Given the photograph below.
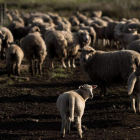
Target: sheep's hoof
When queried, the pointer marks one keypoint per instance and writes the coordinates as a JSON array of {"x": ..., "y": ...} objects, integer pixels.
[{"x": 62, "y": 135}]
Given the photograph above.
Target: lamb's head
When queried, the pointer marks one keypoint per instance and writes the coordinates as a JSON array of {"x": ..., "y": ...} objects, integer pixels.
[
  {"x": 84, "y": 37},
  {"x": 87, "y": 91},
  {"x": 86, "y": 52}
]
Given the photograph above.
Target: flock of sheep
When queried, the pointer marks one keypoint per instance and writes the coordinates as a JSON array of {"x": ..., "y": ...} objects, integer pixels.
[{"x": 36, "y": 35}]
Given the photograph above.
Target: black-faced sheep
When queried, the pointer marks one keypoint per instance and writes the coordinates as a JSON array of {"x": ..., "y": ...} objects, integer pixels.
[
  {"x": 14, "y": 55},
  {"x": 34, "y": 49},
  {"x": 62, "y": 44},
  {"x": 108, "y": 67},
  {"x": 6, "y": 37},
  {"x": 72, "y": 104}
]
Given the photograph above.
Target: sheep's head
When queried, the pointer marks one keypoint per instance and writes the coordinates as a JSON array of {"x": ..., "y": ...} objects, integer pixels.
[
  {"x": 133, "y": 31},
  {"x": 84, "y": 37},
  {"x": 88, "y": 90},
  {"x": 117, "y": 34},
  {"x": 86, "y": 52},
  {"x": 34, "y": 29}
]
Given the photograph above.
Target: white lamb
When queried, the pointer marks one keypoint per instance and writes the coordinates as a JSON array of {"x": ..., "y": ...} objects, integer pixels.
[{"x": 72, "y": 104}]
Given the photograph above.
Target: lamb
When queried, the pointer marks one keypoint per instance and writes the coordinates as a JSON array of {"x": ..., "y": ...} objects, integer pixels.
[
  {"x": 91, "y": 32},
  {"x": 135, "y": 45},
  {"x": 108, "y": 67},
  {"x": 127, "y": 38},
  {"x": 134, "y": 89},
  {"x": 6, "y": 37},
  {"x": 34, "y": 49},
  {"x": 72, "y": 104},
  {"x": 14, "y": 55},
  {"x": 62, "y": 44}
]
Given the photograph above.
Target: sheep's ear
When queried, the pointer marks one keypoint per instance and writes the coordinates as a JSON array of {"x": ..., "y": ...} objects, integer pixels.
[
  {"x": 80, "y": 87},
  {"x": 129, "y": 29},
  {"x": 91, "y": 51},
  {"x": 94, "y": 86},
  {"x": 80, "y": 50},
  {"x": 2, "y": 35}
]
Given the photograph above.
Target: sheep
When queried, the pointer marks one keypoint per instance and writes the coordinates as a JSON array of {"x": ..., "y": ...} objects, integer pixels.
[
  {"x": 6, "y": 37},
  {"x": 134, "y": 89},
  {"x": 100, "y": 32},
  {"x": 127, "y": 38},
  {"x": 105, "y": 18},
  {"x": 63, "y": 44},
  {"x": 108, "y": 67},
  {"x": 34, "y": 49},
  {"x": 72, "y": 104},
  {"x": 109, "y": 32},
  {"x": 91, "y": 31},
  {"x": 135, "y": 45},
  {"x": 63, "y": 27},
  {"x": 74, "y": 21},
  {"x": 14, "y": 55}
]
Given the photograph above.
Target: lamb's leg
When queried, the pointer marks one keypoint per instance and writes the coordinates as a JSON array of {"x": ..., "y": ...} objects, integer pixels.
[
  {"x": 63, "y": 63},
  {"x": 73, "y": 63},
  {"x": 138, "y": 103},
  {"x": 52, "y": 64},
  {"x": 133, "y": 103},
  {"x": 63, "y": 127},
  {"x": 32, "y": 67},
  {"x": 69, "y": 63},
  {"x": 68, "y": 125},
  {"x": 78, "y": 125},
  {"x": 16, "y": 70}
]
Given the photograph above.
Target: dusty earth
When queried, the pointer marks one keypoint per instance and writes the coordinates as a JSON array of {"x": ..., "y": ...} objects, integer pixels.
[{"x": 28, "y": 108}]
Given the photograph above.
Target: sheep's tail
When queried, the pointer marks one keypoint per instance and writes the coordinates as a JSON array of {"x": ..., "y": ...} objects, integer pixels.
[
  {"x": 71, "y": 109},
  {"x": 131, "y": 82}
]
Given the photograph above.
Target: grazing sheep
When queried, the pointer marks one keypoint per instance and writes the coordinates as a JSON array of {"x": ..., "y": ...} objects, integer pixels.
[
  {"x": 72, "y": 104},
  {"x": 62, "y": 44},
  {"x": 134, "y": 89},
  {"x": 91, "y": 32},
  {"x": 14, "y": 55},
  {"x": 6, "y": 37},
  {"x": 108, "y": 67},
  {"x": 135, "y": 45},
  {"x": 127, "y": 38},
  {"x": 34, "y": 49}
]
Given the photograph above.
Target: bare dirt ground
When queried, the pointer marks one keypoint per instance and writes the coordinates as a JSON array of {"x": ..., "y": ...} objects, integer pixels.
[{"x": 28, "y": 108}]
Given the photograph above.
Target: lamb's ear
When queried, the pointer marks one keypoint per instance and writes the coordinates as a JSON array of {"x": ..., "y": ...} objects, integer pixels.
[
  {"x": 94, "y": 86},
  {"x": 80, "y": 87},
  {"x": 80, "y": 50}
]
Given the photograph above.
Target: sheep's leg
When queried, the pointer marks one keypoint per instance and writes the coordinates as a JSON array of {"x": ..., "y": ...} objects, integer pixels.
[
  {"x": 63, "y": 127},
  {"x": 133, "y": 103},
  {"x": 138, "y": 103},
  {"x": 40, "y": 67},
  {"x": 52, "y": 64},
  {"x": 78, "y": 125},
  {"x": 103, "y": 42},
  {"x": 17, "y": 69},
  {"x": 2, "y": 53},
  {"x": 32, "y": 67},
  {"x": 69, "y": 63},
  {"x": 73, "y": 63},
  {"x": 12, "y": 68},
  {"x": 103, "y": 90},
  {"x": 9, "y": 69},
  {"x": 63, "y": 63}
]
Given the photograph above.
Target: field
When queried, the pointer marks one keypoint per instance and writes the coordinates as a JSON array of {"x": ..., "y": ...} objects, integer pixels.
[{"x": 28, "y": 107}]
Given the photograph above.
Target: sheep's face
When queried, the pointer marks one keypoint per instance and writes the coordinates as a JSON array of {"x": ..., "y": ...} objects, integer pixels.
[
  {"x": 84, "y": 36},
  {"x": 117, "y": 33},
  {"x": 89, "y": 90},
  {"x": 86, "y": 52}
]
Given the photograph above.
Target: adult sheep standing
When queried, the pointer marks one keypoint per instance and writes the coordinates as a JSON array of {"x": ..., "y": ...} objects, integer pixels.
[
  {"x": 72, "y": 104},
  {"x": 14, "y": 55},
  {"x": 34, "y": 49},
  {"x": 108, "y": 67},
  {"x": 63, "y": 44}
]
